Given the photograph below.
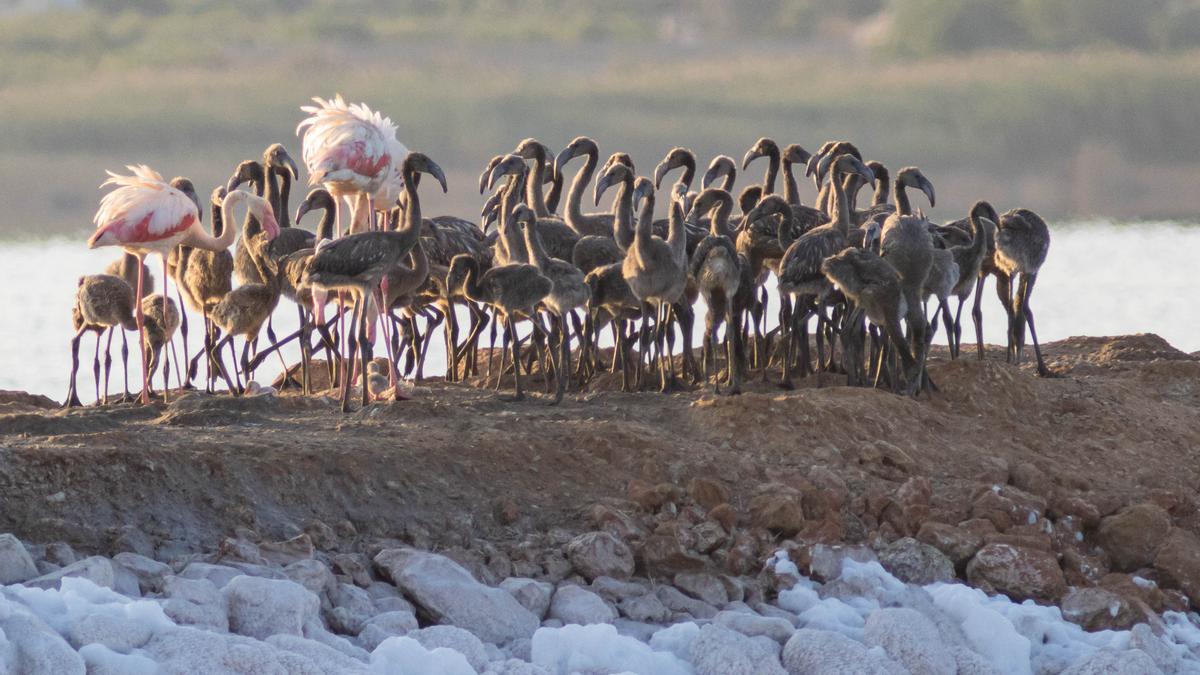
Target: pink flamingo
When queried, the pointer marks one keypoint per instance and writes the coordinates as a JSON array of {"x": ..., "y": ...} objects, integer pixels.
[
  {"x": 146, "y": 215},
  {"x": 353, "y": 152}
]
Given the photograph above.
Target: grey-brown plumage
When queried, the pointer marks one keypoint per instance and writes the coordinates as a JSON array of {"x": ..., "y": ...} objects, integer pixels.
[
  {"x": 765, "y": 147},
  {"x": 800, "y": 274},
  {"x": 559, "y": 238},
  {"x": 584, "y": 224},
  {"x": 103, "y": 302},
  {"x": 357, "y": 262},
  {"x": 126, "y": 268},
  {"x": 908, "y": 177},
  {"x": 716, "y": 268},
  {"x": 907, "y": 245},
  {"x": 568, "y": 291},
  {"x": 161, "y": 319},
  {"x": 724, "y": 168},
  {"x": 1022, "y": 242},
  {"x": 873, "y": 285},
  {"x": 535, "y": 179},
  {"x": 970, "y": 255},
  {"x": 512, "y": 290},
  {"x": 244, "y": 269}
]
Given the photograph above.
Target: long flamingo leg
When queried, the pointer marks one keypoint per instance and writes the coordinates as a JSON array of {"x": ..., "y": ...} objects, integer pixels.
[
  {"x": 141, "y": 324},
  {"x": 166, "y": 389}
]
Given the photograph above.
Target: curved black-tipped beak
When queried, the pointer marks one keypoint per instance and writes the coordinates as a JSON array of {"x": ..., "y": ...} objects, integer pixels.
[
  {"x": 751, "y": 155},
  {"x": 602, "y": 185},
  {"x": 560, "y": 160},
  {"x": 434, "y": 170},
  {"x": 305, "y": 207},
  {"x": 659, "y": 172},
  {"x": 291, "y": 165},
  {"x": 927, "y": 188}
]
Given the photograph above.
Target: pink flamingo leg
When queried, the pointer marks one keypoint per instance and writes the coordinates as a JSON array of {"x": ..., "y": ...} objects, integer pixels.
[
  {"x": 171, "y": 343},
  {"x": 141, "y": 324}
]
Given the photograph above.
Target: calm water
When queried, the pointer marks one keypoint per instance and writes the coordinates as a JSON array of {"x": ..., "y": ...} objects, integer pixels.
[{"x": 1100, "y": 279}]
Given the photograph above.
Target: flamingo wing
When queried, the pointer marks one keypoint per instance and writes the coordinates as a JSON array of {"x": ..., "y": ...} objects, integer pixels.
[
  {"x": 348, "y": 143},
  {"x": 144, "y": 209}
]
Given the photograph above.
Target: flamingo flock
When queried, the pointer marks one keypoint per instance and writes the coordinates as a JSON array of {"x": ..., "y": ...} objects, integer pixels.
[{"x": 859, "y": 279}]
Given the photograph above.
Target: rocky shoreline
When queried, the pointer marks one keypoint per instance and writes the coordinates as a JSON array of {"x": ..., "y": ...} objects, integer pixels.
[{"x": 1010, "y": 524}]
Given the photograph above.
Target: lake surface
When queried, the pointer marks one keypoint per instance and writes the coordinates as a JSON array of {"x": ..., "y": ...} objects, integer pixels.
[{"x": 1100, "y": 279}]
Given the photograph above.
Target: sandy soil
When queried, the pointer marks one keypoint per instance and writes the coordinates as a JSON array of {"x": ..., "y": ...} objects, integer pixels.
[{"x": 457, "y": 465}]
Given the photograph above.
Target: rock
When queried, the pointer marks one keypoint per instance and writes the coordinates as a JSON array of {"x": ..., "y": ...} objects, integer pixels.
[
  {"x": 825, "y": 562},
  {"x": 238, "y": 549},
  {"x": 701, "y": 586},
  {"x": 120, "y": 634},
  {"x": 724, "y": 515},
  {"x": 259, "y": 608},
  {"x": 532, "y": 594},
  {"x": 322, "y": 535},
  {"x": 822, "y": 652},
  {"x": 325, "y": 658},
  {"x": 1143, "y": 638},
  {"x": 779, "y": 509},
  {"x": 189, "y": 650},
  {"x": 352, "y": 565},
  {"x": 678, "y": 602},
  {"x": 1098, "y": 609},
  {"x": 195, "y": 602},
  {"x": 969, "y": 663},
  {"x": 36, "y": 649},
  {"x": 150, "y": 573},
  {"x": 1019, "y": 573},
  {"x": 450, "y": 595},
  {"x": 600, "y": 554},
  {"x": 709, "y": 536},
  {"x": 664, "y": 553},
  {"x": 956, "y": 543},
  {"x": 132, "y": 539},
  {"x": 645, "y": 608},
  {"x": 707, "y": 493},
  {"x": 61, "y": 554},
  {"x": 614, "y": 590},
  {"x": 911, "y": 639},
  {"x": 753, "y": 625},
  {"x": 1065, "y": 505},
  {"x": 1178, "y": 561},
  {"x": 287, "y": 552},
  {"x": 454, "y": 638},
  {"x": 1105, "y": 662},
  {"x": 311, "y": 574},
  {"x": 383, "y": 626},
  {"x": 1133, "y": 536},
  {"x": 219, "y": 575},
  {"x": 96, "y": 569},
  {"x": 720, "y": 651},
  {"x": 351, "y": 609},
  {"x": 913, "y": 562},
  {"x": 575, "y": 604},
  {"x": 125, "y": 582}
]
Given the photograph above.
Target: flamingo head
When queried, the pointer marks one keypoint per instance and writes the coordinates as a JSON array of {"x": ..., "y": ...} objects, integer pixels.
[
  {"x": 186, "y": 186},
  {"x": 912, "y": 177},
  {"x": 277, "y": 158},
  {"x": 763, "y": 147},
  {"x": 722, "y": 165}
]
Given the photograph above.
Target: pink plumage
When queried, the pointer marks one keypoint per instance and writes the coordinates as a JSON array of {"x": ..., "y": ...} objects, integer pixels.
[
  {"x": 350, "y": 148},
  {"x": 143, "y": 214}
]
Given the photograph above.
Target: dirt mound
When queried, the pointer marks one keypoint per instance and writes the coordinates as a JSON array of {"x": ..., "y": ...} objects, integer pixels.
[
  {"x": 458, "y": 465},
  {"x": 19, "y": 401}
]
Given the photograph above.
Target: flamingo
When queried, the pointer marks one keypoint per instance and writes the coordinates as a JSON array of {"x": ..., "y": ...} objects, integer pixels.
[
  {"x": 144, "y": 215},
  {"x": 353, "y": 152}
]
